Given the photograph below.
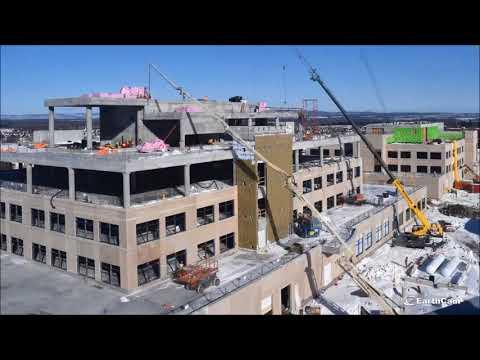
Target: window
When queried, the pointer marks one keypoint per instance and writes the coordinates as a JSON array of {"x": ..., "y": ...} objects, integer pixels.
[
  {"x": 110, "y": 274},
  {"x": 393, "y": 167},
  {"x": 407, "y": 215},
  {"x": 59, "y": 259},
  {"x": 377, "y": 168},
  {"x": 85, "y": 228},
  {"x": 330, "y": 202},
  {"x": 330, "y": 180},
  {"x": 307, "y": 211},
  {"x": 435, "y": 169},
  {"x": 349, "y": 174},
  {"x": 422, "y": 155},
  {"x": 378, "y": 232},
  {"x": 175, "y": 224},
  {"x": 358, "y": 190},
  {"x": 148, "y": 272},
  {"x": 422, "y": 169},
  {"x": 17, "y": 246},
  {"x": 227, "y": 242},
  {"x": 318, "y": 206},
  {"x": 147, "y": 231},
  {"x": 205, "y": 215},
  {"x": 435, "y": 155},
  {"x": 109, "y": 233},
  {"x": 357, "y": 171},
  {"x": 206, "y": 249},
  {"x": 358, "y": 246},
  {"x": 317, "y": 183},
  {"x": 225, "y": 209},
  {"x": 368, "y": 240},
  {"x": 16, "y": 213},
  {"x": 339, "y": 199},
  {"x": 176, "y": 260},
  {"x": 400, "y": 219},
  {"x": 86, "y": 267},
  {"x": 405, "y": 168},
  {"x": 38, "y": 218},
  {"x": 386, "y": 227},
  {"x": 57, "y": 222},
  {"x": 2, "y": 210},
  {"x": 339, "y": 177},
  {"x": 338, "y": 152},
  {"x": 393, "y": 154},
  {"x": 405, "y": 154},
  {"x": 39, "y": 253},
  {"x": 326, "y": 152},
  {"x": 424, "y": 203},
  {"x": 3, "y": 243},
  {"x": 307, "y": 186}
]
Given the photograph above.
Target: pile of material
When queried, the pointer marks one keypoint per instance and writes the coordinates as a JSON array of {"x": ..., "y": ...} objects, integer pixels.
[
  {"x": 155, "y": 145},
  {"x": 126, "y": 92}
]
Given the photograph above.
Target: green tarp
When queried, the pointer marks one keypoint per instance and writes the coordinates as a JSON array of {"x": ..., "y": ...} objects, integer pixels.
[{"x": 413, "y": 135}]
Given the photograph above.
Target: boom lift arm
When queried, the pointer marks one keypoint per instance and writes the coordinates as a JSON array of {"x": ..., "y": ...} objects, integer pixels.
[{"x": 426, "y": 227}]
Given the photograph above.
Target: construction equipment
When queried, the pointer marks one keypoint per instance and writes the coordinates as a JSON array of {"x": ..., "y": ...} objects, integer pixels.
[
  {"x": 476, "y": 177},
  {"x": 307, "y": 227},
  {"x": 356, "y": 199},
  {"x": 457, "y": 184},
  {"x": 426, "y": 228},
  {"x": 199, "y": 276},
  {"x": 292, "y": 186}
]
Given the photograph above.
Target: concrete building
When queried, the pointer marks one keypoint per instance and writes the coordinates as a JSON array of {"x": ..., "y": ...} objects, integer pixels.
[
  {"x": 130, "y": 219},
  {"x": 416, "y": 160}
]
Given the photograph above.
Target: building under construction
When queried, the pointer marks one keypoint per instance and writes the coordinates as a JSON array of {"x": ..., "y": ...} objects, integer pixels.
[{"x": 165, "y": 188}]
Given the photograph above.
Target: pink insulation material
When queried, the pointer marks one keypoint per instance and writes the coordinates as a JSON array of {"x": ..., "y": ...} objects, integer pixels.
[
  {"x": 262, "y": 106},
  {"x": 151, "y": 146},
  {"x": 126, "y": 92}
]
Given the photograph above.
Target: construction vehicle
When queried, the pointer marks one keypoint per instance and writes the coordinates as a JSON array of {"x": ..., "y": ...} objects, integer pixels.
[
  {"x": 356, "y": 199},
  {"x": 198, "y": 277},
  {"x": 307, "y": 227},
  {"x": 459, "y": 184},
  {"x": 476, "y": 177},
  {"x": 348, "y": 264},
  {"x": 426, "y": 228}
]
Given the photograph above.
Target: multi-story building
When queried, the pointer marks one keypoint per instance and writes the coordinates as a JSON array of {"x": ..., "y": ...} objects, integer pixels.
[{"x": 418, "y": 154}]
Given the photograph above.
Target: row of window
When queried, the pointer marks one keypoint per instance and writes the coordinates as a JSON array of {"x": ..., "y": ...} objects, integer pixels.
[
  {"x": 365, "y": 241},
  {"x": 420, "y": 155},
  {"x": 332, "y": 179},
  {"x": 150, "y": 271},
  {"x": 110, "y": 274},
  {"x": 174, "y": 224},
  {"x": 84, "y": 227}
]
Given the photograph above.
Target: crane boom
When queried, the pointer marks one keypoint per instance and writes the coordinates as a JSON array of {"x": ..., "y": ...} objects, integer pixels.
[{"x": 427, "y": 227}]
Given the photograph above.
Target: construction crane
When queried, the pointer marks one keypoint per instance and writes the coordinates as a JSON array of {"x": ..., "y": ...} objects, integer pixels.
[
  {"x": 346, "y": 262},
  {"x": 426, "y": 228},
  {"x": 457, "y": 180}
]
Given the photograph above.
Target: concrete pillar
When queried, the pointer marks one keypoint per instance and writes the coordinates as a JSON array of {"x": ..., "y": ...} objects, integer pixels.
[
  {"x": 297, "y": 160},
  {"x": 51, "y": 126},
  {"x": 320, "y": 151},
  {"x": 251, "y": 135},
  {"x": 29, "y": 178},
  {"x": 234, "y": 176},
  {"x": 126, "y": 189},
  {"x": 186, "y": 177},
  {"x": 88, "y": 119},
  {"x": 139, "y": 127},
  {"x": 182, "y": 132},
  {"x": 277, "y": 122},
  {"x": 71, "y": 184}
]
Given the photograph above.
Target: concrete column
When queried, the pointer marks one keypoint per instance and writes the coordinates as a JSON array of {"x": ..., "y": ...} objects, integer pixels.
[
  {"x": 71, "y": 184},
  {"x": 29, "y": 178},
  {"x": 251, "y": 135},
  {"x": 356, "y": 149},
  {"x": 297, "y": 160},
  {"x": 51, "y": 126},
  {"x": 139, "y": 127},
  {"x": 88, "y": 119},
  {"x": 126, "y": 189},
  {"x": 182, "y": 132},
  {"x": 186, "y": 177},
  {"x": 277, "y": 122},
  {"x": 234, "y": 176},
  {"x": 320, "y": 151}
]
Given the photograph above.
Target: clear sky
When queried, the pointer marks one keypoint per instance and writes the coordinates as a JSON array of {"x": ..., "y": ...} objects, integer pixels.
[{"x": 409, "y": 78}]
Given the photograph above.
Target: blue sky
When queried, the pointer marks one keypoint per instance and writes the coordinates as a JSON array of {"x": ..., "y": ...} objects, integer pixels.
[{"x": 410, "y": 78}]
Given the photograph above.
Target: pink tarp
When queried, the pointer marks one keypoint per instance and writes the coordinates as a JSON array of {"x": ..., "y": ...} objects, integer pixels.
[{"x": 155, "y": 145}]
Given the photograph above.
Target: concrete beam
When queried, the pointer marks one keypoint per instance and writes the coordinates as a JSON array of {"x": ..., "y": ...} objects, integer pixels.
[
  {"x": 29, "y": 178},
  {"x": 82, "y": 101},
  {"x": 186, "y": 179},
  {"x": 333, "y": 141},
  {"x": 71, "y": 184},
  {"x": 51, "y": 126},
  {"x": 88, "y": 120},
  {"x": 126, "y": 189}
]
